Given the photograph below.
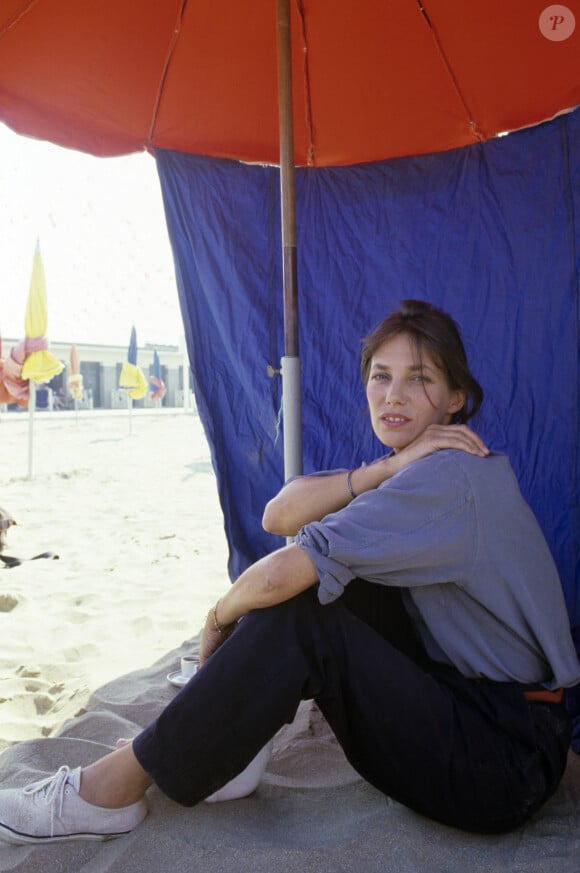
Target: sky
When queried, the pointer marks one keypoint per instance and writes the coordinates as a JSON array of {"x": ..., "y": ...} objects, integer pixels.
[{"x": 103, "y": 240}]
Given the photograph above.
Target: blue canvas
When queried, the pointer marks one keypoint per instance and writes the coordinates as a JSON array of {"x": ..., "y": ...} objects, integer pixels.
[{"x": 489, "y": 232}]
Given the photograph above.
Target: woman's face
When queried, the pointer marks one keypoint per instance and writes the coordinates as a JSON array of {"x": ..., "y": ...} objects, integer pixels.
[{"x": 406, "y": 395}]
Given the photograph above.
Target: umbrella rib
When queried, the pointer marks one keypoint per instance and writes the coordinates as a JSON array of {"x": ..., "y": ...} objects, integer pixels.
[
  {"x": 18, "y": 17},
  {"x": 165, "y": 70},
  {"x": 311, "y": 157},
  {"x": 472, "y": 123}
]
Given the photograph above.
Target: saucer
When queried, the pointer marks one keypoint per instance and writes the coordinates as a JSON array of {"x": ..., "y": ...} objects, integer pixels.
[{"x": 177, "y": 679}]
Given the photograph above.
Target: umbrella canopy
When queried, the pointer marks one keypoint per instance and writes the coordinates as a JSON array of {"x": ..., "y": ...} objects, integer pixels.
[
  {"x": 371, "y": 79},
  {"x": 132, "y": 378},
  {"x": 75, "y": 379},
  {"x": 5, "y": 395},
  {"x": 15, "y": 389},
  {"x": 40, "y": 365},
  {"x": 156, "y": 383}
]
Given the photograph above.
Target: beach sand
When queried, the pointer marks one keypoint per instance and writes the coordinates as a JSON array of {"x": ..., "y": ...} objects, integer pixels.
[{"x": 130, "y": 506}]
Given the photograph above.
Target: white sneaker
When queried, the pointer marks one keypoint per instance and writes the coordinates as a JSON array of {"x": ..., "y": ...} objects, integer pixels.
[{"x": 52, "y": 810}]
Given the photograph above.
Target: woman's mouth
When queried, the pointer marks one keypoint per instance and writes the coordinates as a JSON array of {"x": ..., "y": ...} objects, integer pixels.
[{"x": 393, "y": 420}]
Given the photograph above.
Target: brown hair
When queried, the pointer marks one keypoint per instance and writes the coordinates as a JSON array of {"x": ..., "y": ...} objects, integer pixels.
[{"x": 434, "y": 333}]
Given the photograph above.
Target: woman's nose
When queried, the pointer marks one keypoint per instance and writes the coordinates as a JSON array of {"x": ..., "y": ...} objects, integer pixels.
[{"x": 394, "y": 393}]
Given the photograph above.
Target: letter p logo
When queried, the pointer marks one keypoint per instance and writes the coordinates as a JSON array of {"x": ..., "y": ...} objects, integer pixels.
[{"x": 557, "y": 23}]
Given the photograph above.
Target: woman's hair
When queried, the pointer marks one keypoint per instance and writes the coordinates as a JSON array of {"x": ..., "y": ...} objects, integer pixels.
[{"x": 433, "y": 333}]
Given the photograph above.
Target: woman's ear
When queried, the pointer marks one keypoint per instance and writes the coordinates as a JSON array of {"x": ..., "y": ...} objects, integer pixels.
[{"x": 457, "y": 402}]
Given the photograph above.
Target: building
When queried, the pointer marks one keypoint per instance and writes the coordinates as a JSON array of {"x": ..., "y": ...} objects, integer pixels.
[{"x": 101, "y": 367}]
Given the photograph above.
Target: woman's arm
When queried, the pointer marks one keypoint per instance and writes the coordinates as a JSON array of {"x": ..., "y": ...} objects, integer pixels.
[
  {"x": 310, "y": 498},
  {"x": 271, "y": 580},
  {"x": 288, "y": 571}
]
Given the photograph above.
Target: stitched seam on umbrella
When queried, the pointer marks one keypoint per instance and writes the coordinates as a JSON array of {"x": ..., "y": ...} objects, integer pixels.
[
  {"x": 18, "y": 16},
  {"x": 472, "y": 123},
  {"x": 171, "y": 49},
  {"x": 311, "y": 157}
]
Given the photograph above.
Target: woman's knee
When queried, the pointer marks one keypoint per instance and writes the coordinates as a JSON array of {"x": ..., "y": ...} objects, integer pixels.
[{"x": 295, "y": 611}]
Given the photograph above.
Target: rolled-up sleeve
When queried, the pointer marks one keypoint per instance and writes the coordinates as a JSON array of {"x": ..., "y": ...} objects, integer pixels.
[{"x": 418, "y": 528}]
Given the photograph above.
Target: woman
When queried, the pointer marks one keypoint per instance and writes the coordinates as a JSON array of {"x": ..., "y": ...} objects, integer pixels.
[{"x": 419, "y": 606}]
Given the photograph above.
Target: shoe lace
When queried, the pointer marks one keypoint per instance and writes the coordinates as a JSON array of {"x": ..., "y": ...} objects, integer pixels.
[{"x": 52, "y": 788}]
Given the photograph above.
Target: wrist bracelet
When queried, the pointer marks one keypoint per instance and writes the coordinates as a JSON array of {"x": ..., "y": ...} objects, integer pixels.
[
  {"x": 216, "y": 624},
  {"x": 349, "y": 483}
]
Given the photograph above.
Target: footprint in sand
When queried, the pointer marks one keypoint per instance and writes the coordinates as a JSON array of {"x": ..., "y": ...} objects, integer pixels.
[
  {"x": 74, "y": 654},
  {"x": 43, "y": 703},
  {"x": 8, "y": 602},
  {"x": 28, "y": 672}
]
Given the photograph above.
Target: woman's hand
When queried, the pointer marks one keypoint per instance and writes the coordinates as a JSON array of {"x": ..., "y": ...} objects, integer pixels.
[
  {"x": 437, "y": 437},
  {"x": 211, "y": 637},
  {"x": 273, "y": 579}
]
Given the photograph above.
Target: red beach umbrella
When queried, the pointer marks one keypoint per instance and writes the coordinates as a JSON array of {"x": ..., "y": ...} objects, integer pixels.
[
  {"x": 358, "y": 82},
  {"x": 5, "y": 395},
  {"x": 157, "y": 388},
  {"x": 13, "y": 387},
  {"x": 371, "y": 80}
]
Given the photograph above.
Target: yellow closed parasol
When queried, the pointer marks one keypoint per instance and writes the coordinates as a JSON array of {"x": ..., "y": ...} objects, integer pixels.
[
  {"x": 132, "y": 377},
  {"x": 40, "y": 365}
]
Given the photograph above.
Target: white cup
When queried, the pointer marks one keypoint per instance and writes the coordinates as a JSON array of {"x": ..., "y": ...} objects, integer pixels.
[{"x": 189, "y": 665}]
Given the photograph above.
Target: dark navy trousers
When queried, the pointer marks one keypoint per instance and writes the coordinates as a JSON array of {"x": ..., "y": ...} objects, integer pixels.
[{"x": 473, "y": 754}]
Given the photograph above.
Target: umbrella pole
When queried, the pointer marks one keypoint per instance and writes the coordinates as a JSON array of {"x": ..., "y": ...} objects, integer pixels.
[
  {"x": 291, "y": 367},
  {"x": 185, "y": 369},
  {"x": 31, "y": 409}
]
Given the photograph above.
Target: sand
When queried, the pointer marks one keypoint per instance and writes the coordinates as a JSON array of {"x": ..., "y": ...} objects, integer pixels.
[
  {"x": 88, "y": 641},
  {"x": 130, "y": 506}
]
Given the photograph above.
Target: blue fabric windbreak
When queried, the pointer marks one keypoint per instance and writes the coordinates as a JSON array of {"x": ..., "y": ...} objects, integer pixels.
[{"x": 490, "y": 233}]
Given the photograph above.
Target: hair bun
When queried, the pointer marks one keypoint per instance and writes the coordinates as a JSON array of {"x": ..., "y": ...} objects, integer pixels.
[{"x": 410, "y": 308}]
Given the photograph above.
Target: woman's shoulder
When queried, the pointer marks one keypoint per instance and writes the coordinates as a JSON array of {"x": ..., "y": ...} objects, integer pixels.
[
  {"x": 494, "y": 464},
  {"x": 455, "y": 470},
  {"x": 485, "y": 478},
  {"x": 447, "y": 458}
]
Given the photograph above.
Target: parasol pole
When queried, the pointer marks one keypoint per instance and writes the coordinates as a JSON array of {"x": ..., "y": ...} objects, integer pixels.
[
  {"x": 291, "y": 366},
  {"x": 31, "y": 409}
]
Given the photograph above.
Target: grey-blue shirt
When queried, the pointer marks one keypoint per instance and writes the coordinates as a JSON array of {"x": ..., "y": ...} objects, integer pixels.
[{"x": 481, "y": 586}]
